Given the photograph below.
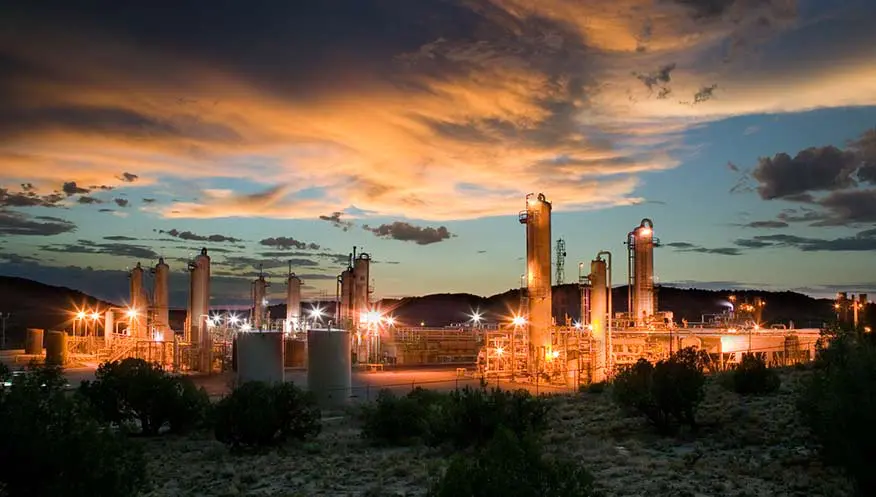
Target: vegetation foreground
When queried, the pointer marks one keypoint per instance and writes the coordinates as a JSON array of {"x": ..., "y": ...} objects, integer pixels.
[{"x": 745, "y": 446}]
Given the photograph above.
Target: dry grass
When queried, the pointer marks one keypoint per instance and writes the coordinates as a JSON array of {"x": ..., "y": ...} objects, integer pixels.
[{"x": 744, "y": 447}]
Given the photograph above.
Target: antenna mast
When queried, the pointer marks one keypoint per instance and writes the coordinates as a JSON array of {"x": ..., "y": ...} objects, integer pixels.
[{"x": 561, "y": 261}]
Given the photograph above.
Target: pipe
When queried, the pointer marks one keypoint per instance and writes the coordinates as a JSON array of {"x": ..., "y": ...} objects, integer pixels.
[{"x": 608, "y": 345}]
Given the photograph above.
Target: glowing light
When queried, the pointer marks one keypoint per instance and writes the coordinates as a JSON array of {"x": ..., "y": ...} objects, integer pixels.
[
  {"x": 422, "y": 323},
  {"x": 555, "y": 354},
  {"x": 95, "y": 315},
  {"x": 158, "y": 336},
  {"x": 500, "y": 351},
  {"x": 80, "y": 315},
  {"x": 476, "y": 317},
  {"x": 372, "y": 317},
  {"x": 245, "y": 327},
  {"x": 867, "y": 329},
  {"x": 518, "y": 321},
  {"x": 132, "y": 313},
  {"x": 390, "y": 321},
  {"x": 731, "y": 330},
  {"x": 233, "y": 319},
  {"x": 578, "y": 325},
  {"x": 316, "y": 313},
  {"x": 645, "y": 231}
]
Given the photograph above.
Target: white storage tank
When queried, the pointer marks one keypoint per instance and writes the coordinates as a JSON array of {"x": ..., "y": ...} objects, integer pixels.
[
  {"x": 260, "y": 357},
  {"x": 329, "y": 367}
]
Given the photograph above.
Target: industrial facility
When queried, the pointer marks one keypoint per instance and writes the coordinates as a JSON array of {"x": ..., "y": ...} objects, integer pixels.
[{"x": 568, "y": 334}]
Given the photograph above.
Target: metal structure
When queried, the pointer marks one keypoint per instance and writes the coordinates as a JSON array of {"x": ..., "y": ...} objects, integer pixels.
[
  {"x": 260, "y": 357},
  {"x": 599, "y": 318},
  {"x": 849, "y": 308},
  {"x": 139, "y": 303},
  {"x": 197, "y": 332},
  {"x": 293, "y": 302},
  {"x": 259, "y": 294},
  {"x": 642, "y": 301},
  {"x": 329, "y": 367},
  {"x": 561, "y": 262},
  {"x": 160, "y": 302},
  {"x": 537, "y": 218}
]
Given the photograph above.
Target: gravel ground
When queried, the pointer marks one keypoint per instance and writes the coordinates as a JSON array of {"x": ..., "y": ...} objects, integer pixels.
[{"x": 744, "y": 447}]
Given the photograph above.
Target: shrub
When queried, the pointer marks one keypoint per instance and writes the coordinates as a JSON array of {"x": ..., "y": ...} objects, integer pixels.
[
  {"x": 134, "y": 390},
  {"x": 52, "y": 446},
  {"x": 401, "y": 420},
  {"x": 753, "y": 377},
  {"x": 512, "y": 466},
  {"x": 597, "y": 387},
  {"x": 257, "y": 414},
  {"x": 666, "y": 393},
  {"x": 838, "y": 402},
  {"x": 471, "y": 416}
]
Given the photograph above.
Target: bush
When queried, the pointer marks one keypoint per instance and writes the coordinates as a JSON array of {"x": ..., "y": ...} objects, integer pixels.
[
  {"x": 838, "y": 402},
  {"x": 134, "y": 390},
  {"x": 667, "y": 393},
  {"x": 51, "y": 445},
  {"x": 597, "y": 387},
  {"x": 403, "y": 420},
  {"x": 512, "y": 466},
  {"x": 753, "y": 377},
  {"x": 257, "y": 414}
]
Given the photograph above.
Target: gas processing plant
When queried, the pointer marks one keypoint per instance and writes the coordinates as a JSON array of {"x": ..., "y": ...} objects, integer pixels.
[{"x": 536, "y": 343}]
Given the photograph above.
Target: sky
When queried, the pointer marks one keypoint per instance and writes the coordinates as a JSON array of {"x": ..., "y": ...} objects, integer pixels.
[{"x": 271, "y": 132}]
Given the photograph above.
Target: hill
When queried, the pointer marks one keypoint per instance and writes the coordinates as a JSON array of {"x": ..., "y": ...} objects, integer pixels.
[{"x": 31, "y": 304}]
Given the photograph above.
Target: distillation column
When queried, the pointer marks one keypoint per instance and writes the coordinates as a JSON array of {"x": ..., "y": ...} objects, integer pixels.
[
  {"x": 537, "y": 219},
  {"x": 199, "y": 307},
  {"x": 598, "y": 315},
  {"x": 293, "y": 302},
  {"x": 139, "y": 303},
  {"x": 160, "y": 301},
  {"x": 369, "y": 332},
  {"x": 259, "y": 302},
  {"x": 640, "y": 244}
]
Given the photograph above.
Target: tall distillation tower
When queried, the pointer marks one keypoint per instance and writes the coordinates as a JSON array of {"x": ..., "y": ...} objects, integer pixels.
[
  {"x": 537, "y": 218},
  {"x": 260, "y": 302},
  {"x": 199, "y": 306},
  {"x": 598, "y": 317},
  {"x": 293, "y": 302},
  {"x": 139, "y": 303},
  {"x": 640, "y": 246},
  {"x": 160, "y": 300}
]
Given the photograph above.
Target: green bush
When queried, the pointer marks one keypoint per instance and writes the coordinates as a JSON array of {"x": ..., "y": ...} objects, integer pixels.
[
  {"x": 667, "y": 393},
  {"x": 597, "y": 387},
  {"x": 512, "y": 466},
  {"x": 471, "y": 416},
  {"x": 753, "y": 377},
  {"x": 402, "y": 420},
  {"x": 134, "y": 391},
  {"x": 838, "y": 402},
  {"x": 257, "y": 414},
  {"x": 51, "y": 444}
]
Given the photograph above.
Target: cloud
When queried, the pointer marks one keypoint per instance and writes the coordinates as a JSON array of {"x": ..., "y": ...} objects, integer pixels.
[
  {"x": 114, "y": 249},
  {"x": 241, "y": 263},
  {"x": 70, "y": 188},
  {"x": 85, "y": 199},
  {"x": 333, "y": 258},
  {"x": 121, "y": 202},
  {"x": 861, "y": 242},
  {"x": 811, "y": 170},
  {"x": 407, "y": 232},
  {"x": 119, "y": 238},
  {"x": 767, "y": 224},
  {"x": 128, "y": 177},
  {"x": 188, "y": 235},
  {"x": 16, "y": 223},
  {"x": 690, "y": 247},
  {"x": 283, "y": 242},
  {"x": 336, "y": 221},
  {"x": 148, "y": 200},
  {"x": 28, "y": 198}
]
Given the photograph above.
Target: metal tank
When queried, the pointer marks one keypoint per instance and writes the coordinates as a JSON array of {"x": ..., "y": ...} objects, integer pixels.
[
  {"x": 329, "y": 366},
  {"x": 537, "y": 218},
  {"x": 109, "y": 322},
  {"x": 56, "y": 348},
  {"x": 140, "y": 304},
  {"x": 293, "y": 302},
  {"x": 260, "y": 357},
  {"x": 259, "y": 302},
  {"x": 33, "y": 341},
  {"x": 199, "y": 306},
  {"x": 598, "y": 316},
  {"x": 160, "y": 301},
  {"x": 640, "y": 246},
  {"x": 345, "y": 315}
]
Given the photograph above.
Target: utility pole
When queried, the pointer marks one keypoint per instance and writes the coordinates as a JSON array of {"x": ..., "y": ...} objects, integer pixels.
[{"x": 3, "y": 318}]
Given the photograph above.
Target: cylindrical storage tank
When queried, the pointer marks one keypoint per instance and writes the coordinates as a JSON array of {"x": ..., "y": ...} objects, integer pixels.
[
  {"x": 109, "y": 320},
  {"x": 538, "y": 277},
  {"x": 329, "y": 368},
  {"x": 792, "y": 348},
  {"x": 160, "y": 300},
  {"x": 293, "y": 303},
  {"x": 139, "y": 304},
  {"x": 361, "y": 284},
  {"x": 199, "y": 306},
  {"x": 296, "y": 353},
  {"x": 260, "y": 357},
  {"x": 598, "y": 316},
  {"x": 56, "y": 348},
  {"x": 33, "y": 341},
  {"x": 347, "y": 286}
]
